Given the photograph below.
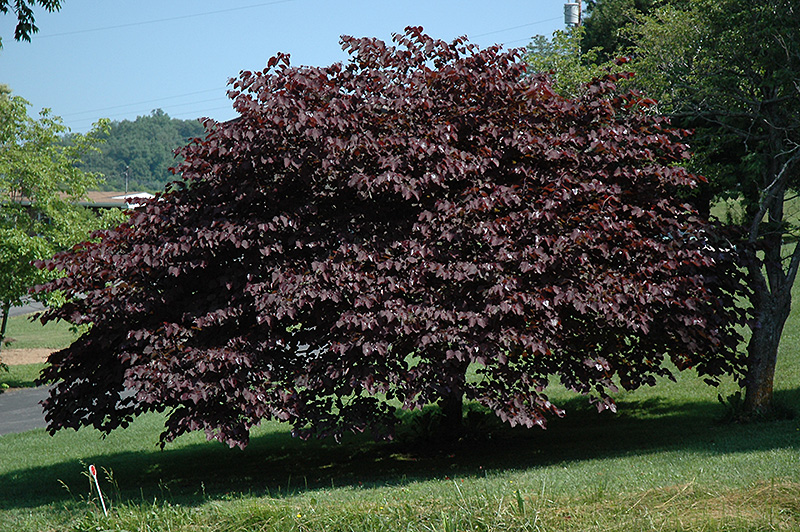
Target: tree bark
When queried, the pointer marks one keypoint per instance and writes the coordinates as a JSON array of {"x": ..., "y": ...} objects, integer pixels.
[
  {"x": 452, "y": 407},
  {"x": 3, "y": 326},
  {"x": 771, "y": 283},
  {"x": 763, "y": 354}
]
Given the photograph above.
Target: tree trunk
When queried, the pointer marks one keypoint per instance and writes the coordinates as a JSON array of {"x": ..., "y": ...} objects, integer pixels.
[
  {"x": 452, "y": 407},
  {"x": 763, "y": 353},
  {"x": 3, "y": 325},
  {"x": 771, "y": 282}
]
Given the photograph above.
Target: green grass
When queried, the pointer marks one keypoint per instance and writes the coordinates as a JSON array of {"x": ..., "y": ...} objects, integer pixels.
[
  {"x": 23, "y": 333},
  {"x": 20, "y": 376},
  {"x": 664, "y": 462}
]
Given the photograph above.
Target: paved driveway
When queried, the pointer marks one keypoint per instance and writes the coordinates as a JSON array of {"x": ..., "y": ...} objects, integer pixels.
[
  {"x": 27, "y": 308},
  {"x": 20, "y": 410}
]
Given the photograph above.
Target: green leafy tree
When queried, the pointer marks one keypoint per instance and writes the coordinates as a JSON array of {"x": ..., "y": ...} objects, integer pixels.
[
  {"x": 606, "y": 19},
  {"x": 138, "y": 154},
  {"x": 569, "y": 67},
  {"x": 23, "y": 10},
  {"x": 731, "y": 70},
  {"x": 39, "y": 185}
]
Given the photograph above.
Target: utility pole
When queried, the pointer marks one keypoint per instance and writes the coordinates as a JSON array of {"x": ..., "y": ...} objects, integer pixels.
[{"x": 573, "y": 13}]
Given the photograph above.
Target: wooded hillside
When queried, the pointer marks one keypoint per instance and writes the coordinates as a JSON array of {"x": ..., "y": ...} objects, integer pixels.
[{"x": 145, "y": 148}]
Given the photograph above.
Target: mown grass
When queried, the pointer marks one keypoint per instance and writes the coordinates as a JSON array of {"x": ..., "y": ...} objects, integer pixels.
[
  {"x": 20, "y": 376},
  {"x": 665, "y": 462},
  {"x": 662, "y": 463},
  {"x": 23, "y": 332}
]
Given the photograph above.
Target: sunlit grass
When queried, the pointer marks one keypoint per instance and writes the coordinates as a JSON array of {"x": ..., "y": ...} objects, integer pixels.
[
  {"x": 25, "y": 333},
  {"x": 664, "y": 462},
  {"x": 21, "y": 376}
]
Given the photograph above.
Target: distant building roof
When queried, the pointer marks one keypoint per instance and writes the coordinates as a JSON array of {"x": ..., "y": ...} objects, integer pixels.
[
  {"x": 120, "y": 200},
  {"x": 96, "y": 199}
]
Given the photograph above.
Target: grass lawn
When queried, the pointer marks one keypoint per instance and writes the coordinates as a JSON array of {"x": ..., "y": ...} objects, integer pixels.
[
  {"x": 24, "y": 333},
  {"x": 22, "y": 376},
  {"x": 663, "y": 463}
]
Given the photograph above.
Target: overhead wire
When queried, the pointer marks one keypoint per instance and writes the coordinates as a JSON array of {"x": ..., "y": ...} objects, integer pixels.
[
  {"x": 195, "y": 15},
  {"x": 156, "y": 21}
]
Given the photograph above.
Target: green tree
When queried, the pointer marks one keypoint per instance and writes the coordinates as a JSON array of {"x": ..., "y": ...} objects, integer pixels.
[
  {"x": 139, "y": 153},
  {"x": 731, "y": 70},
  {"x": 39, "y": 183},
  {"x": 23, "y": 10},
  {"x": 570, "y": 68},
  {"x": 606, "y": 19}
]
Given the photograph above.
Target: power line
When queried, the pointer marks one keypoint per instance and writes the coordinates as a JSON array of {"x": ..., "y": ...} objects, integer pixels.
[
  {"x": 123, "y": 115},
  {"x": 514, "y": 27},
  {"x": 170, "y": 19},
  {"x": 221, "y": 90},
  {"x": 88, "y": 111}
]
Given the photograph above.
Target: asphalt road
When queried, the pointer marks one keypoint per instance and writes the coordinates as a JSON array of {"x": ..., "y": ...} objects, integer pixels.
[
  {"x": 27, "y": 308},
  {"x": 20, "y": 410}
]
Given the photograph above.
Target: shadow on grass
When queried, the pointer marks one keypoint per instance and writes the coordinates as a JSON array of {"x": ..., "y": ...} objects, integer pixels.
[{"x": 275, "y": 464}]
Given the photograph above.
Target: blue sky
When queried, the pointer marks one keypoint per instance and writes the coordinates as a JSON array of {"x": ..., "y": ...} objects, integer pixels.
[{"x": 123, "y": 58}]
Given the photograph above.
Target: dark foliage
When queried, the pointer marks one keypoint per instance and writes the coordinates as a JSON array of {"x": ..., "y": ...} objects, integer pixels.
[
  {"x": 605, "y": 19},
  {"x": 23, "y": 11},
  {"x": 366, "y": 233}
]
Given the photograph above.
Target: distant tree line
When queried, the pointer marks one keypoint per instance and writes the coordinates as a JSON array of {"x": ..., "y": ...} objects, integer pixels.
[{"x": 143, "y": 149}]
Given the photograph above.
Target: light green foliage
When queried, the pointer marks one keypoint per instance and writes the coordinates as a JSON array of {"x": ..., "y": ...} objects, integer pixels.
[
  {"x": 730, "y": 70},
  {"x": 39, "y": 185},
  {"x": 605, "y": 19},
  {"x": 670, "y": 57},
  {"x": 561, "y": 56},
  {"x": 143, "y": 149}
]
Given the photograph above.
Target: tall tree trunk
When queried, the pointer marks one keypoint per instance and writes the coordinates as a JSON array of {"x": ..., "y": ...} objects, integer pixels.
[
  {"x": 771, "y": 282},
  {"x": 452, "y": 407},
  {"x": 763, "y": 352},
  {"x": 3, "y": 325}
]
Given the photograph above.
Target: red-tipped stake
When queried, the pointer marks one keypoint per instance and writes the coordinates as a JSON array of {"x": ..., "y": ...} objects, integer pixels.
[{"x": 93, "y": 472}]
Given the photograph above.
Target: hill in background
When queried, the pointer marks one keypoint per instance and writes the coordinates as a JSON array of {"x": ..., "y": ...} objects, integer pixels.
[{"x": 144, "y": 148}]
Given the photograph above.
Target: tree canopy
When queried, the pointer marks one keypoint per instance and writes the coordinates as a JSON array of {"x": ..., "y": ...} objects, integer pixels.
[
  {"x": 606, "y": 19},
  {"x": 39, "y": 185},
  {"x": 370, "y": 235},
  {"x": 730, "y": 69},
  {"x": 562, "y": 58},
  {"x": 138, "y": 154}
]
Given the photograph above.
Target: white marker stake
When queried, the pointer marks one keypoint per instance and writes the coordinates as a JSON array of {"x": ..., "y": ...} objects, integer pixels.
[{"x": 93, "y": 472}]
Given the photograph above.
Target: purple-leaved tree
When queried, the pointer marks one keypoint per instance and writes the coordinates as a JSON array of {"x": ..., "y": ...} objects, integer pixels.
[{"x": 421, "y": 224}]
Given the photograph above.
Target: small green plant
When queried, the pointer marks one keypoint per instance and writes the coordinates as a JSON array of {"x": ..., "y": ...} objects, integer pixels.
[
  {"x": 735, "y": 411},
  {"x": 520, "y": 503},
  {"x": 448, "y": 522},
  {"x": 734, "y": 404}
]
